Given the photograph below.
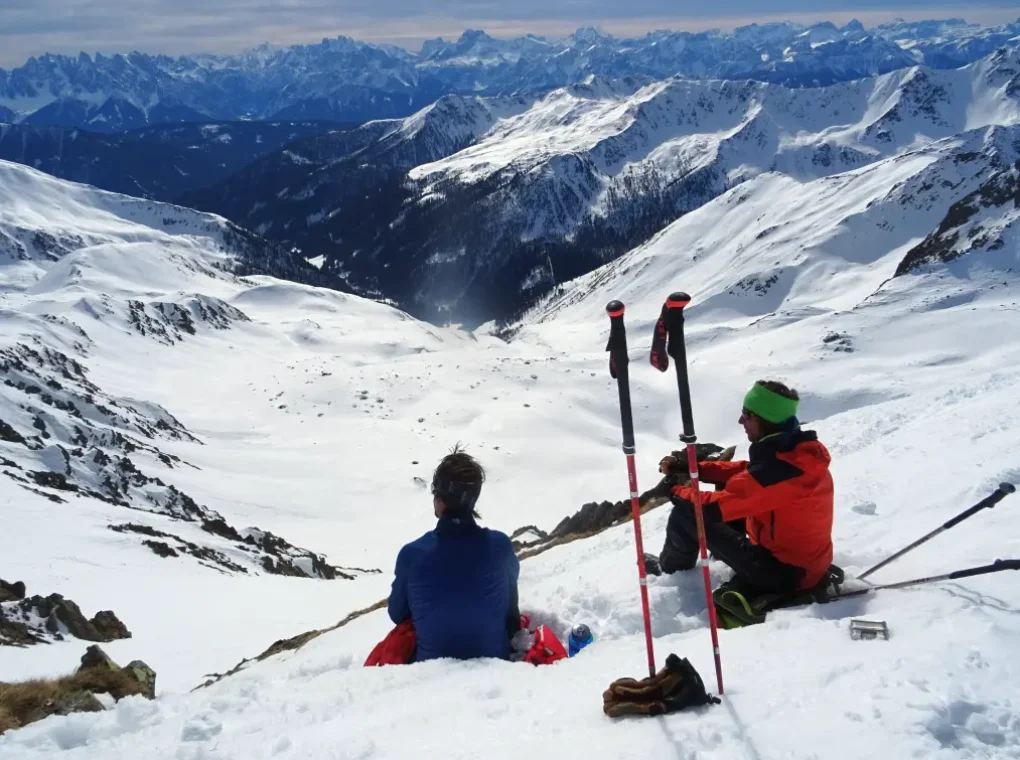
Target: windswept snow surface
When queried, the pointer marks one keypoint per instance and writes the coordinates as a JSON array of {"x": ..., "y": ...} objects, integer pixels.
[{"x": 314, "y": 417}]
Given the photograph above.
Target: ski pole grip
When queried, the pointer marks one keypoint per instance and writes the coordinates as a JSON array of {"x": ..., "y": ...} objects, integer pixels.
[
  {"x": 988, "y": 502},
  {"x": 995, "y": 567},
  {"x": 618, "y": 367},
  {"x": 675, "y": 304},
  {"x": 677, "y": 300}
]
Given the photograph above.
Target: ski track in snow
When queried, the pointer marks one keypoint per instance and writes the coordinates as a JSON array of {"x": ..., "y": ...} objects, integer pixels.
[{"x": 310, "y": 418}]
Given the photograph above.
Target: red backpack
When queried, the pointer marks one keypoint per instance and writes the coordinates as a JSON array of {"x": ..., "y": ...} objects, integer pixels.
[
  {"x": 547, "y": 649},
  {"x": 399, "y": 645},
  {"x": 397, "y": 648}
]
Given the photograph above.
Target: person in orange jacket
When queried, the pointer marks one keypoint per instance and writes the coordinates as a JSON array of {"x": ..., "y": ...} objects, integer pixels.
[{"x": 784, "y": 494}]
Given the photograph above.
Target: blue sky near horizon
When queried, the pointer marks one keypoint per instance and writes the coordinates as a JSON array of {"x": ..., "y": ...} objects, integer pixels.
[{"x": 33, "y": 27}]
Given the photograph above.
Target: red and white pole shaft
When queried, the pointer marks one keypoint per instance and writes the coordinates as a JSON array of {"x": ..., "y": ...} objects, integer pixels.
[
  {"x": 677, "y": 350},
  {"x": 618, "y": 366}
]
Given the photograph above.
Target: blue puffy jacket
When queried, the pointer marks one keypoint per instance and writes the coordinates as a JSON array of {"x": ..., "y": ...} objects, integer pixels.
[{"x": 458, "y": 585}]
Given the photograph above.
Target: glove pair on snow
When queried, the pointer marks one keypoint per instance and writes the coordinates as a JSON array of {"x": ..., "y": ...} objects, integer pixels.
[{"x": 675, "y": 687}]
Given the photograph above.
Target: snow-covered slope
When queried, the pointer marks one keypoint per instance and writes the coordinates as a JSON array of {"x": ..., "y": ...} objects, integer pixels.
[
  {"x": 778, "y": 244},
  {"x": 346, "y": 80},
  {"x": 473, "y": 206},
  {"x": 314, "y": 416},
  {"x": 82, "y": 271}
]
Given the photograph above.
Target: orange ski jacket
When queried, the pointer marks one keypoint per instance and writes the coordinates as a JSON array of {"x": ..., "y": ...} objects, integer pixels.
[{"x": 785, "y": 492}]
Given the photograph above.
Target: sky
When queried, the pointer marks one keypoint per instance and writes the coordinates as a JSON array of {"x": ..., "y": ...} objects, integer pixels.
[{"x": 32, "y": 27}]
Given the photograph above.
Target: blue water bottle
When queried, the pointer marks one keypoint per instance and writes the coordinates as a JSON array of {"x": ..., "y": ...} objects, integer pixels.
[{"x": 580, "y": 637}]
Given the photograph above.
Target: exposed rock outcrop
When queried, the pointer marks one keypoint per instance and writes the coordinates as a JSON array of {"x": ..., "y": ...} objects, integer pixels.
[
  {"x": 594, "y": 517},
  {"x": 35, "y": 620},
  {"x": 70, "y": 439},
  {"x": 30, "y": 701}
]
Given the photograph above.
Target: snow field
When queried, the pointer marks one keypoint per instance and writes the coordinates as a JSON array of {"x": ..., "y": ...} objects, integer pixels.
[{"x": 915, "y": 397}]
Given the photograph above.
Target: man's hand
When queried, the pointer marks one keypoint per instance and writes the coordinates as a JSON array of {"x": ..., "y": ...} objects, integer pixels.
[{"x": 683, "y": 498}]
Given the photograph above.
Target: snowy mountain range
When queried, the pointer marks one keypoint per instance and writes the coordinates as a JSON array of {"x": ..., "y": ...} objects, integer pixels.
[
  {"x": 473, "y": 207},
  {"x": 343, "y": 79},
  {"x": 203, "y": 432},
  {"x": 141, "y": 367}
]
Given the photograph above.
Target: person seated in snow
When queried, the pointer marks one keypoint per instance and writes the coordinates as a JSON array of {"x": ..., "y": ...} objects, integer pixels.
[
  {"x": 784, "y": 494},
  {"x": 457, "y": 584}
]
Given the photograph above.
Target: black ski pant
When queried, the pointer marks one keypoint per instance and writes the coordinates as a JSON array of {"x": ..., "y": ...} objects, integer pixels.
[{"x": 756, "y": 568}]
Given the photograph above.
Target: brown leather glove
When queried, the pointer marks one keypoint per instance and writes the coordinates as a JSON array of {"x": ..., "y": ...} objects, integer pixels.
[
  {"x": 673, "y": 688},
  {"x": 651, "y": 688}
]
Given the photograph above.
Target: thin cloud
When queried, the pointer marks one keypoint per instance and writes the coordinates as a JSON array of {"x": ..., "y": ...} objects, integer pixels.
[{"x": 32, "y": 27}]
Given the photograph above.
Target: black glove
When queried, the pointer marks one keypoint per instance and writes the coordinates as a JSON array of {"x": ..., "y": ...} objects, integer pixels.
[{"x": 652, "y": 566}]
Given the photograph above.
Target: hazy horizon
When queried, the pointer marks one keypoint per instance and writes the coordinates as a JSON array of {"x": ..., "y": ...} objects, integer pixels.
[{"x": 188, "y": 27}]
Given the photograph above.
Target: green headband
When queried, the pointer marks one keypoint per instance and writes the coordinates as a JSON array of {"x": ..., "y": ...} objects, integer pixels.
[{"x": 768, "y": 405}]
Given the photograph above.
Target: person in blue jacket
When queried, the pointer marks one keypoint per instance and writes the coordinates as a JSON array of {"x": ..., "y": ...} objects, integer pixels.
[{"x": 457, "y": 584}]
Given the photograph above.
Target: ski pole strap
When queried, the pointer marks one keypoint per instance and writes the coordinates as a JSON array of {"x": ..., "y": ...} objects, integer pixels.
[
  {"x": 673, "y": 318},
  {"x": 988, "y": 502},
  {"x": 658, "y": 357}
]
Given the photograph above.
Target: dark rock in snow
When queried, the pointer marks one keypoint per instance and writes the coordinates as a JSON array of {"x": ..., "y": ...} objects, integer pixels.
[
  {"x": 40, "y": 619},
  {"x": 840, "y": 342},
  {"x": 134, "y": 678},
  {"x": 161, "y": 549},
  {"x": 76, "y": 702},
  {"x": 145, "y": 676},
  {"x": 95, "y": 657},
  {"x": 9, "y": 434},
  {"x": 11, "y": 592},
  {"x": 595, "y": 517},
  {"x": 109, "y": 626},
  {"x": 13, "y": 633}
]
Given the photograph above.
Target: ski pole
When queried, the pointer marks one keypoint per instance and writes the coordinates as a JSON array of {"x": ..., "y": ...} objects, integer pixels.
[
  {"x": 673, "y": 324},
  {"x": 988, "y": 502},
  {"x": 996, "y": 567},
  {"x": 618, "y": 361}
]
